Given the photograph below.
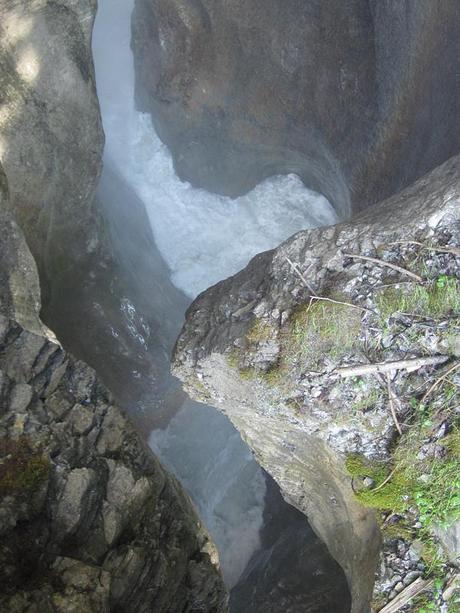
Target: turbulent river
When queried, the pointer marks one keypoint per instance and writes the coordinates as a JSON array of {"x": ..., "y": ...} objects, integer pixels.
[{"x": 202, "y": 238}]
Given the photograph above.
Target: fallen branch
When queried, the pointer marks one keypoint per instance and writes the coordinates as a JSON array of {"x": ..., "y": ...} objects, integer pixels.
[
  {"x": 453, "y": 250},
  {"x": 440, "y": 380},
  {"x": 391, "y": 398},
  {"x": 404, "y": 597},
  {"x": 386, "y": 367},
  {"x": 387, "y": 264},
  {"x": 297, "y": 270}
]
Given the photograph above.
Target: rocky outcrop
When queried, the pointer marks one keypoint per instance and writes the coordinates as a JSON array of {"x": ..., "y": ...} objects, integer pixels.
[
  {"x": 51, "y": 144},
  {"x": 358, "y": 98},
  {"x": 19, "y": 297},
  {"x": 89, "y": 519},
  {"x": 251, "y": 344},
  {"x": 50, "y": 128}
]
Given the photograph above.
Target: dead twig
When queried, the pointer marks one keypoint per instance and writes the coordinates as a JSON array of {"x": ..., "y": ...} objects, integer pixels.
[
  {"x": 314, "y": 296},
  {"x": 349, "y": 304},
  {"x": 410, "y": 365},
  {"x": 404, "y": 597},
  {"x": 439, "y": 380},
  {"x": 376, "y": 489},
  {"x": 297, "y": 270},
  {"x": 387, "y": 264},
  {"x": 392, "y": 401},
  {"x": 453, "y": 250}
]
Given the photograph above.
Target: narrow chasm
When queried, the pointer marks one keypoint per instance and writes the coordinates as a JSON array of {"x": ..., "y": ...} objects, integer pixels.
[{"x": 173, "y": 241}]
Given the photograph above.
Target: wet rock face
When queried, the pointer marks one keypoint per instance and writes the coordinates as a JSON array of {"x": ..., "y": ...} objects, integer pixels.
[
  {"x": 358, "y": 98},
  {"x": 89, "y": 520},
  {"x": 50, "y": 129},
  {"x": 301, "y": 424}
]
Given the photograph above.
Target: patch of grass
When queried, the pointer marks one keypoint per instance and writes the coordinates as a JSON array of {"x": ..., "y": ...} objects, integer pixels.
[
  {"x": 397, "y": 530},
  {"x": 274, "y": 376},
  {"x": 247, "y": 374},
  {"x": 428, "y": 482},
  {"x": 367, "y": 402},
  {"x": 322, "y": 328},
  {"x": 233, "y": 358},
  {"x": 261, "y": 331},
  {"x": 440, "y": 298},
  {"x": 22, "y": 470}
]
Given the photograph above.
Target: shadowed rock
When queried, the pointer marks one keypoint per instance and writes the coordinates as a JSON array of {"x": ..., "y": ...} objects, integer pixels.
[{"x": 359, "y": 98}]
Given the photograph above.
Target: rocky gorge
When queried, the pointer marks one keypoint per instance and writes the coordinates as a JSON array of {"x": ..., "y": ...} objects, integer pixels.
[{"x": 360, "y": 101}]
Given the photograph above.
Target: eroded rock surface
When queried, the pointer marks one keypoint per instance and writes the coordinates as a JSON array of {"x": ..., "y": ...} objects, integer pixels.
[
  {"x": 358, "y": 98},
  {"x": 89, "y": 519},
  {"x": 234, "y": 342},
  {"x": 51, "y": 134}
]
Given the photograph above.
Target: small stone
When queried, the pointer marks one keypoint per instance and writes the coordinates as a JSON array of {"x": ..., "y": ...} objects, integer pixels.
[
  {"x": 368, "y": 482},
  {"x": 21, "y": 395},
  {"x": 399, "y": 587},
  {"x": 411, "y": 577}
]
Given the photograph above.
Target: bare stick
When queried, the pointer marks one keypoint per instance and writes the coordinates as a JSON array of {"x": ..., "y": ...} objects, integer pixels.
[
  {"x": 391, "y": 398},
  {"x": 297, "y": 270},
  {"x": 376, "y": 489},
  {"x": 314, "y": 296},
  {"x": 385, "y": 367},
  {"x": 387, "y": 264},
  {"x": 349, "y": 304},
  {"x": 453, "y": 250},
  {"x": 404, "y": 597},
  {"x": 440, "y": 380}
]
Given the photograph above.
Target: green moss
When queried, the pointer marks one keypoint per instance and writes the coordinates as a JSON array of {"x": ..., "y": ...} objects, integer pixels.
[
  {"x": 200, "y": 389},
  {"x": 438, "y": 299},
  {"x": 274, "y": 376},
  {"x": 233, "y": 358},
  {"x": 22, "y": 470},
  {"x": 397, "y": 530},
  {"x": 247, "y": 373},
  {"x": 261, "y": 331},
  {"x": 431, "y": 484},
  {"x": 321, "y": 328}
]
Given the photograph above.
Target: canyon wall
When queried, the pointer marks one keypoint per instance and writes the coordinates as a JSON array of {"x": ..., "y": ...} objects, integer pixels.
[
  {"x": 89, "y": 519},
  {"x": 259, "y": 352},
  {"x": 358, "y": 98}
]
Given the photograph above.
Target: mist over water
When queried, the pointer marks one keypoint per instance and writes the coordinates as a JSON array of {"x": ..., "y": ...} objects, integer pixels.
[{"x": 203, "y": 238}]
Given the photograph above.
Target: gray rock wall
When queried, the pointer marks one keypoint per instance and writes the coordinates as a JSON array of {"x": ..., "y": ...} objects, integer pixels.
[
  {"x": 89, "y": 520},
  {"x": 51, "y": 135},
  {"x": 359, "y": 98}
]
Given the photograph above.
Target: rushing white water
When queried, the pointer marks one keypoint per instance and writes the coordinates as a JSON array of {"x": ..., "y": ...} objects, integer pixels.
[{"x": 203, "y": 238}]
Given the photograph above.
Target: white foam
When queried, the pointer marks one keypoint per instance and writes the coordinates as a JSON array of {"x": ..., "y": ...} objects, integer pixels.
[{"x": 203, "y": 237}]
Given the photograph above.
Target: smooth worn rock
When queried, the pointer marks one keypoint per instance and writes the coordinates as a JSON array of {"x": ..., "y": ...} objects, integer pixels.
[
  {"x": 51, "y": 135},
  {"x": 359, "y": 98}
]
